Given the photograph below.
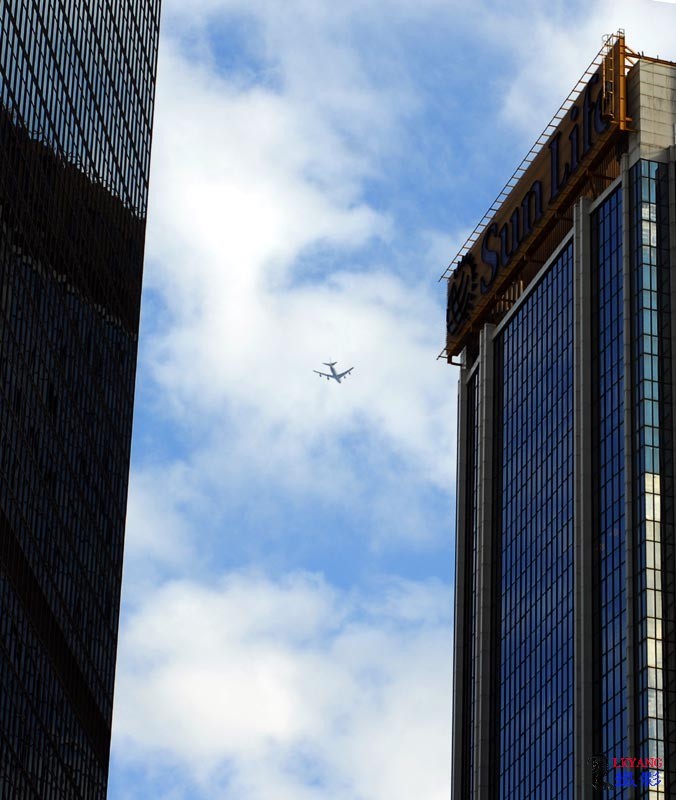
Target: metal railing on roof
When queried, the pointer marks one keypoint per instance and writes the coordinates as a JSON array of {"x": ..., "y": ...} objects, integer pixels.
[{"x": 608, "y": 41}]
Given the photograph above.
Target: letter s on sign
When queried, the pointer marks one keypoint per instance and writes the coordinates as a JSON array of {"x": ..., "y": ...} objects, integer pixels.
[{"x": 490, "y": 257}]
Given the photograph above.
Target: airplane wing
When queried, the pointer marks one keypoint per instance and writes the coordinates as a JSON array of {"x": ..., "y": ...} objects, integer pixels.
[
  {"x": 323, "y": 374},
  {"x": 343, "y": 374}
]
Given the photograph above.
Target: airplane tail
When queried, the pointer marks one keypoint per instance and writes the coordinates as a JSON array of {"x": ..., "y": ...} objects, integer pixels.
[{"x": 329, "y": 363}]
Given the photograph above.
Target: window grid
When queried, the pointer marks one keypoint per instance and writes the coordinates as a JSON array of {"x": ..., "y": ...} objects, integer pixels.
[
  {"x": 609, "y": 622},
  {"x": 536, "y": 626},
  {"x": 650, "y": 345},
  {"x": 76, "y": 105}
]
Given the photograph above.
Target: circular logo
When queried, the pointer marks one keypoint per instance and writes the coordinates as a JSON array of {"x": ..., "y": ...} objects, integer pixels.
[{"x": 462, "y": 289}]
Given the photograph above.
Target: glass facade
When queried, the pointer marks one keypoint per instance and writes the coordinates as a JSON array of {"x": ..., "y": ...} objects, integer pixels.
[
  {"x": 633, "y": 575},
  {"x": 574, "y": 644},
  {"x": 534, "y": 360},
  {"x": 608, "y": 471},
  {"x": 652, "y": 446},
  {"x": 76, "y": 105},
  {"x": 80, "y": 77}
]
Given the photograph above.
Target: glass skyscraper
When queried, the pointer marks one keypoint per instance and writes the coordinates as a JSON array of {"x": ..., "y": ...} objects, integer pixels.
[
  {"x": 561, "y": 318},
  {"x": 77, "y": 83}
]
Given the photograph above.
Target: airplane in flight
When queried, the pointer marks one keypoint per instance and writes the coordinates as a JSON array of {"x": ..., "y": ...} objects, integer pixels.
[{"x": 337, "y": 376}]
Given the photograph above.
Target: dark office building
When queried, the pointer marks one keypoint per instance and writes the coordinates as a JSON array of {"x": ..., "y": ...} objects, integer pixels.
[
  {"x": 561, "y": 316},
  {"x": 76, "y": 106}
]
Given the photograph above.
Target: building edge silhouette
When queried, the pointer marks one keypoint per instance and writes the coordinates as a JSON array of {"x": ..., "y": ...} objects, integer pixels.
[{"x": 77, "y": 86}]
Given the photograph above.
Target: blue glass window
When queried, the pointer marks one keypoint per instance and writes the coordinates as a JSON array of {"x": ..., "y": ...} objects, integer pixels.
[
  {"x": 534, "y": 356},
  {"x": 651, "y": 469},
  {"x": 609, "y": 528}
]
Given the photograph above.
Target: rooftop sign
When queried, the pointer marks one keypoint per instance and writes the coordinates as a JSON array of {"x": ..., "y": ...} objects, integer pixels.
[{"x": 492, "y": 259}]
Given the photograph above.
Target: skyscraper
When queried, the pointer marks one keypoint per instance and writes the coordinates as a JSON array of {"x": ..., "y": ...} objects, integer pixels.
[
  {"x": 561, "y": 316},
  {"x": 76, "y": 106}
]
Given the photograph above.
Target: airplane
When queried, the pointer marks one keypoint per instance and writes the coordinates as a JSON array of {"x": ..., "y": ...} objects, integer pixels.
[{"x": 335, "y": 375}]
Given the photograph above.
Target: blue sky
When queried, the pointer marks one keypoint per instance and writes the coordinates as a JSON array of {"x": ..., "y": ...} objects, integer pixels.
[{"x": 287, "y": 630}]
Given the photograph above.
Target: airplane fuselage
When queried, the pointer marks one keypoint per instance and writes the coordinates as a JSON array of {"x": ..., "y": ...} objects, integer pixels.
[{"x": 333, "y": 375}]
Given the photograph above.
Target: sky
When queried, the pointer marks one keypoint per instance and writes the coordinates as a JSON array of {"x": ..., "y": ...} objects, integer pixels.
[{"x": 286, "y": 629}]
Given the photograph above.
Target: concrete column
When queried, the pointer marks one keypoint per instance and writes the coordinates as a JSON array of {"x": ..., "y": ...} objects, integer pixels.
[
  {"x": 583, "y": 531},
  {"x": 460, "y": 752},
  {"x": 486, "y": 592},
  {"x": 672, "y": 258},
  {"x": 672, "y": 271},
  {"x": 667, "y": 567},
  {"x": 628, "y": 459}
]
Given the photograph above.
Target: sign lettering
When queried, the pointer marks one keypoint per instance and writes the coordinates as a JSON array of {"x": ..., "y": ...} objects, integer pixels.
[{"x": 486, "y": 268}]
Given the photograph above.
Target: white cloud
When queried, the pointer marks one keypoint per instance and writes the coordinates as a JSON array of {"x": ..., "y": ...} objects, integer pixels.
[
  {"x": 562, "y": 40},
  {"x": 257, "y": 176},
  {"x": 269, "y": 253},
  {"x": 252, "y": 185},
  {"x": 156, "y": 513},
  {"x": 291, "y": 688}
]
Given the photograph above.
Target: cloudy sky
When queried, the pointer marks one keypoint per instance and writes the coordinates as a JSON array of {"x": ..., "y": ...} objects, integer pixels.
[{"x": 287, "y": 628}]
